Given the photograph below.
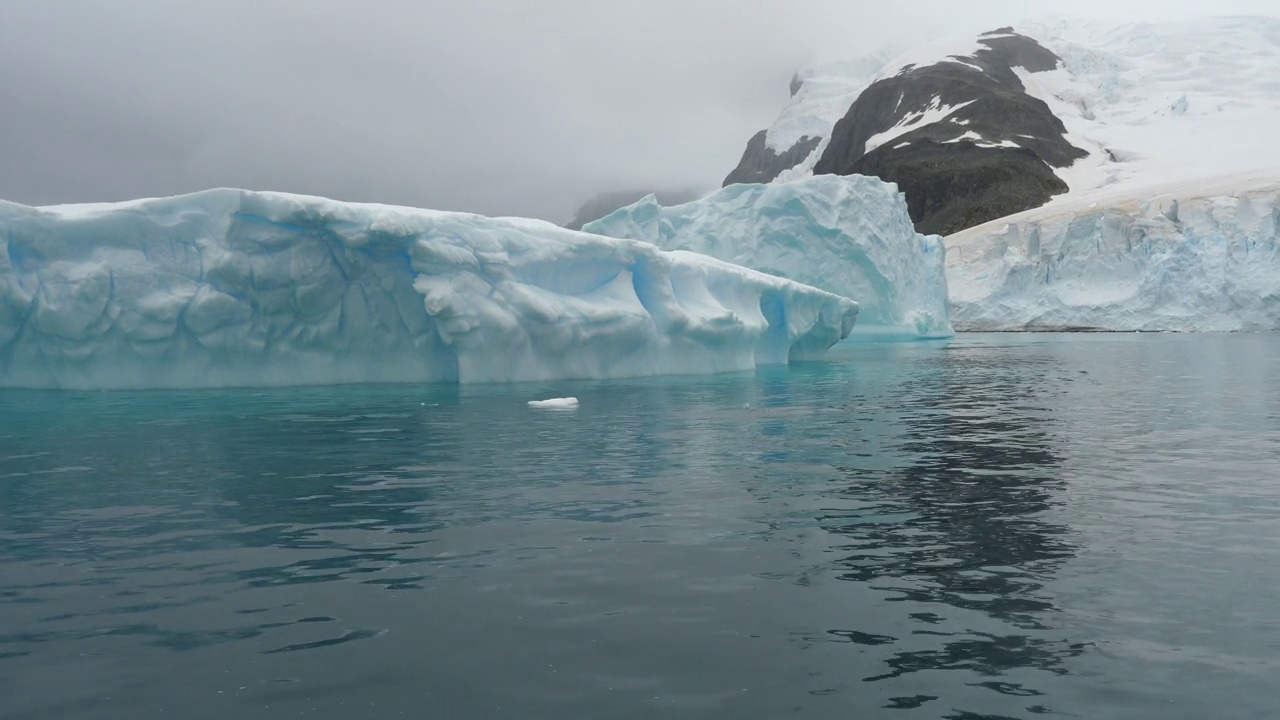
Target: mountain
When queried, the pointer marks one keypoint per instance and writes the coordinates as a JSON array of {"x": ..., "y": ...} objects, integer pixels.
[
  {"x": 820, "y": 96},
  {"x": 961, "y": 137},
  {"x": 606, "y": 202},
  {"x": 976, "y": 128}
]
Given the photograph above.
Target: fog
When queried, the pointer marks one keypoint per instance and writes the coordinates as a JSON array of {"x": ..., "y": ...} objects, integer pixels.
[{"x": 500, "y": 107}]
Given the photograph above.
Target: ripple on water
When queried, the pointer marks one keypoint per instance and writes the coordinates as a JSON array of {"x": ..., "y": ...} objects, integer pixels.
[{"x": 1000, "y": 526}]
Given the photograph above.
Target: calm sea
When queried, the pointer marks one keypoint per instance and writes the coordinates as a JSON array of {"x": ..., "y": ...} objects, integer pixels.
[{"x": 1003, "y": 526}]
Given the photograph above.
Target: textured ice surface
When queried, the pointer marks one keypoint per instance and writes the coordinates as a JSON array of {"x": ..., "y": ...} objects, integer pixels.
[
  {"x": 228, "y": 287},
  {"x": 568, "y": 403},
  {"x": 1191, "y": 257},
  {"x": 849, "y": 235}
]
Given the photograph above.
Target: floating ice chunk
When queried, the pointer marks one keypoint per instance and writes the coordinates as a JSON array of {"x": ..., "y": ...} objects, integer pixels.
[
  {"x": 236, "y": 288},
  {"x": 848, "y": 235},
  {"x": 564, "y": 403}
]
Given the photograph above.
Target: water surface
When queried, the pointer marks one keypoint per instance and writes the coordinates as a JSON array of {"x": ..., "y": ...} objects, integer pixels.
[{"x": 1002, "y": 526}]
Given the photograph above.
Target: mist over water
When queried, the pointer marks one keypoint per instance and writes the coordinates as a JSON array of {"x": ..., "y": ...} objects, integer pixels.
[{"x": 999, "y": 526}]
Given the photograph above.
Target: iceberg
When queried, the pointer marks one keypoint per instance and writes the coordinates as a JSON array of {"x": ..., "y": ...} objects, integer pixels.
[
  {"x": 236, "y": 288},
  {"x": 1201, "y": 256},
  {"x": 849, "y": 235}
]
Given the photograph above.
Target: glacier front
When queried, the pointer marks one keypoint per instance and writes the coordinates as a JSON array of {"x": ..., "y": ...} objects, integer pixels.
[
  {"x": 848, "y": 235},
  {"x": 236, "y": 288},
  {"x": 1199, "y": 256}
]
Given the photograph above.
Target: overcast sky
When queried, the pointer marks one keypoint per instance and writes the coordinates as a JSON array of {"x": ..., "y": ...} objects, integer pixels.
[{"x": 521, "y": 107}]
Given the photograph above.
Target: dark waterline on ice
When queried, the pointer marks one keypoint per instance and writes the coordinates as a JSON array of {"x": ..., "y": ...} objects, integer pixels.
[{"x": 996, "y": 527}]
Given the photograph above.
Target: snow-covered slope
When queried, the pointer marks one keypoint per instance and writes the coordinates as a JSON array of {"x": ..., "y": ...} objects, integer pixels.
[
  {"x": 1192, "y": 257},
  {"x": 1156, "y": 103},
  {"x": 230, "y": 287},
  {"x": 848, "y": 235},
  {"x": 821, "y": 95}
]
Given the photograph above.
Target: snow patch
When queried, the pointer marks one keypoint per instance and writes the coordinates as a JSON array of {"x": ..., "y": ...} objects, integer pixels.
[
  {"x": 978, "y": 140},
  {"x": 936, "y": 112},
  {"x": 959, "y": 49}
]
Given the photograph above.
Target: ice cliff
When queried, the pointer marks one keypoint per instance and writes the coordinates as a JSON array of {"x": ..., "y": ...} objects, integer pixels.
[
  {"x": 236, "y": 288},
  {"x": 848, "y": 235},
  {"x": 1191, "y": 257}
]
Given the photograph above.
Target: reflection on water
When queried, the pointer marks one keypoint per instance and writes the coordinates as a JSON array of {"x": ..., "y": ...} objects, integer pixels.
[
  {"x": 987, "y": 528},
  {"x": 967, "y": 529}
]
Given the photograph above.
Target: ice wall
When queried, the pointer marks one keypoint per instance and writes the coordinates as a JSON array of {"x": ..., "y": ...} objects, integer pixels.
[
  {"x": 849, "y": 235},
  {"x": 1196, "y": 257},
  {"x": 235, "y": 288}
]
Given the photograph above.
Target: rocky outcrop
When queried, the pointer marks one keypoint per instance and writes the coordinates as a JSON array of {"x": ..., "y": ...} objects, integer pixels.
[
  {"x": 762, "y": 164},
  {"x": 961, "y": 137}
]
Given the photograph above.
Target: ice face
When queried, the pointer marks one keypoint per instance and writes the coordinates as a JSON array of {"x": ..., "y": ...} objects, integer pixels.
[
  {"x": 848, "y": 235},
  {"x": 234, "y": 288},
  {"x": 1187, "y": 257}
]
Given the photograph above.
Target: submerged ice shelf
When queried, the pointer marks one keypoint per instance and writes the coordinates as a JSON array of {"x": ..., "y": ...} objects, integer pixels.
[{"x": 237, "y": 288}]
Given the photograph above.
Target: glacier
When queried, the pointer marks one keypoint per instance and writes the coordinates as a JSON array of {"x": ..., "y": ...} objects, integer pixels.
[
  {"x": 1201, "y": 256},
  {"x": 237, "y": 288},
  {"x": 849, "y": 235}
]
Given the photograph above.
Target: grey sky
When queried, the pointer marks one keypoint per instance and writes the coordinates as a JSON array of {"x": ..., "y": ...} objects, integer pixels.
[{"x": 522, "y": 107}]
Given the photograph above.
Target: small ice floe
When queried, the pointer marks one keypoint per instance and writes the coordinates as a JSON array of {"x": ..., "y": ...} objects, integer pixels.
[{"x": 555, "y": 403}]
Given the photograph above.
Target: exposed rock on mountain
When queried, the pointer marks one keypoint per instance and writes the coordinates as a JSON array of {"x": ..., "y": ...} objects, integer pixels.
[
  {"x": 962, "y": 137},
  {"x": 762, "y": 164}
]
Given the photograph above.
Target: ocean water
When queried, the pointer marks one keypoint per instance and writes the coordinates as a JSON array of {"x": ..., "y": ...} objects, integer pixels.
[{"x": 1003, "y": 526}]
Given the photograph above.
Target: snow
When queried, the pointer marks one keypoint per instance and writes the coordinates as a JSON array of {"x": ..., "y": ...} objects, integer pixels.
[
  {"x": 1197, "y": 256},
  {"x": 565, "y": 403},
  {"x": 955, "y": 48},
  {"x": 826, "y": 92},
  {"x": 237, "y": 288},
  {"x": 849, "y": 235},
  {"x": 1162, "y": 102},
  {"x": 936, "y": 112},
  {"x": 978, "y": 140},
  {"x": 825, "y": 95}
]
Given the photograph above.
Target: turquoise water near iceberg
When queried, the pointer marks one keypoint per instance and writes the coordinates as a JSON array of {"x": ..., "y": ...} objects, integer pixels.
[{"x": 1001, "y": 526}]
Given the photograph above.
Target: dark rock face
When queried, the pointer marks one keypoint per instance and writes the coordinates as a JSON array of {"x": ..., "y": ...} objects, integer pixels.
[
  {"x": 760, "y": 164},
  {"x": 953, "y": 186},
  {"x": 605, "y": 203},
  {"x": 992, "y": 156}
]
